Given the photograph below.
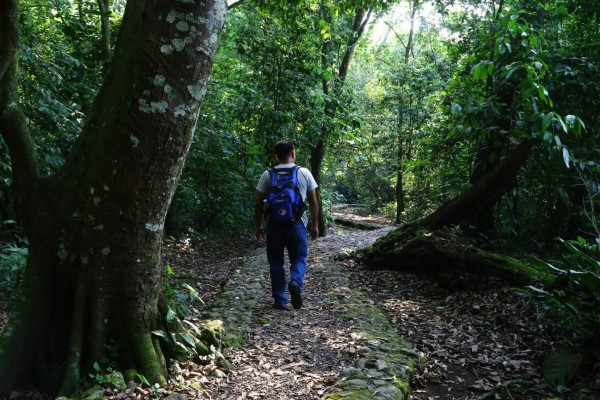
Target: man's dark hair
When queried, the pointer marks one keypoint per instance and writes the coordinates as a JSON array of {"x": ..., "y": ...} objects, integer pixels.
[{"x": 283, "y": 149}]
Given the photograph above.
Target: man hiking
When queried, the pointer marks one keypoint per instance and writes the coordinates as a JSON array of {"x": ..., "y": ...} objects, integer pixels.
[{"x": 281, "y": 196}]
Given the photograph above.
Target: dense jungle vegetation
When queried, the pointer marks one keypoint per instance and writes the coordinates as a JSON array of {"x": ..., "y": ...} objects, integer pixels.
[{"x": 400, "y": 106}]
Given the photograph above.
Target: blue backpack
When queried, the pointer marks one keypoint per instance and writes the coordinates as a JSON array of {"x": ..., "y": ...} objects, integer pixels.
[{"x": 284, "y": 202}]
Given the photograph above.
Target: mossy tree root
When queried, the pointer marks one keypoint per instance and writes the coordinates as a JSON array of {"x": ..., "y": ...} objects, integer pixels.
[
  {"x": 149, "y": 360},
  {"x": 75, "y": 337},
  {"x": 446, "y": 256}
]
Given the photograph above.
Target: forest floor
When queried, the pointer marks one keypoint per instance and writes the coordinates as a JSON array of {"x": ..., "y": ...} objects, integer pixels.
[{"x": 477, "y": 344}]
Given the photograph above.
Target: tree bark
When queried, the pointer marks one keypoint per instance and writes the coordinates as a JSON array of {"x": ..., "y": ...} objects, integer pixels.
[
  {"x": 485, "y": 192},
  {"x": 93, "y": 274}
]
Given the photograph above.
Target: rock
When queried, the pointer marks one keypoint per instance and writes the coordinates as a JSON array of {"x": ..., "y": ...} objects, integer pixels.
[
  {"x": 219, "y": 374},
  {"x": 93, "y": 393},
  {"x": 353, "y": 373},
  {"x": 212, "y": 332},
  {"x": 356, "y": 384},
  {"x": 114, "y": 380},
  {"x": 373, "y": 373},
  {"x": 176, "y": 396},
  {"x": 390, "y": 392},
  {"x": 196, "y": 385},
  {"x": 202, "y": 349}
]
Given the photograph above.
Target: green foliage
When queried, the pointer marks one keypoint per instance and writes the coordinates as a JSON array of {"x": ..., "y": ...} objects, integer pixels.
[
  {"x": 59, "y": 74},
  {"x": 217, "y": 188},
  {"x": 562, "y": 365},
  {"x": 396, "y": 97},
  {"x": 12, "y": 263},
  {"x": 330, "y": 199},
  {"x": 60, "y": 70},
  {"x": 182, "y": 299},
  {"x": 572, "y": 305},
  {"x": 98, "y": 375},
  {"x": 187, "y": 337}
]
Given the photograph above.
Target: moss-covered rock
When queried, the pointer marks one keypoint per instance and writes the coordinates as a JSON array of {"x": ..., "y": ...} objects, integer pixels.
[
  {"x": 93, "y": 393},
  {"x": 360, "y": 394},
  {"x": 176, "y": 396},
  {"x": 114, "y": 380}
]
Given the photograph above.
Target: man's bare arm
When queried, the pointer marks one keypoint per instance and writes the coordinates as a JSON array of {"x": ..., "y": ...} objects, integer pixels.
[{"x": 258, "y": 213}]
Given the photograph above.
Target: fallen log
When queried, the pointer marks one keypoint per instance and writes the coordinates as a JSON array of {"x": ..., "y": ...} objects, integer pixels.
[{"x": 358, "y": 223}]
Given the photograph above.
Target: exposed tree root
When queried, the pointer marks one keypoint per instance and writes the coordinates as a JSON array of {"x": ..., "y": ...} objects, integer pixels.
[{"x": 445, "y": 255}]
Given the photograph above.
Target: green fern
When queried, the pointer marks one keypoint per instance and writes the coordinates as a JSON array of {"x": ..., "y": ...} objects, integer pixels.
[{"x": 562, "y": 365}]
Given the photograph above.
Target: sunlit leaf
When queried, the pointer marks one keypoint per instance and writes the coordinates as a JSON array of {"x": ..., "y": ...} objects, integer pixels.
[
  {"x": 171, "y": 315},
  {"x": 543, "y": 266},
  {"x": 456, "y": 108},
  {"x": 547, "y": 121},
  {"x": 566, "y": 157}
]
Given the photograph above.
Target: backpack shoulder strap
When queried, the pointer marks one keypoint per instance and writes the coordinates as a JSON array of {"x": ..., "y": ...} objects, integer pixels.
[
  {"x": 294, "y": 171},
  {"x": 273, "y": 174}
]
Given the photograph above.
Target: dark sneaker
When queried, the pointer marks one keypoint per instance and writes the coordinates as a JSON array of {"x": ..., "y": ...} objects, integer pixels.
[
  {"x": 279, "y": 306},
  {"x": 295, "y": 294}
]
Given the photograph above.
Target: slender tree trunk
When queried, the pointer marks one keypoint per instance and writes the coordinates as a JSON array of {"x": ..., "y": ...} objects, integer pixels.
[
  {"x": 400, "y": 201},
  {"x": 104, "y": 9},
  {"x": 400, "y": 205},
  {"x": 95, "y": 227},
  {"x": 335, "y": 88},
  {"x": 316, "y": 162},
  {"x": 483, "y": 217}
]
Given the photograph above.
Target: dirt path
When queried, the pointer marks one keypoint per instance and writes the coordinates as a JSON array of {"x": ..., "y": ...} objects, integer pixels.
[{"x": 337, "y": 344}]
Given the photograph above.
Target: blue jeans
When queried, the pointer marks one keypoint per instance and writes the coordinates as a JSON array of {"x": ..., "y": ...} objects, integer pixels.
[{"x": 294, "y": 240}]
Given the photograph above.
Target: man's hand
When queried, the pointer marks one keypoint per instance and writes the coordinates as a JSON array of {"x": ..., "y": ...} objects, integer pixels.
[
  {"x": 314, "y": 232},
  {"x": 258, "y": 214}
]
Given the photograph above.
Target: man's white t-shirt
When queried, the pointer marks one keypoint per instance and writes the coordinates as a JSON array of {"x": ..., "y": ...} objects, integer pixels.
[{"x": 306, "y": 183}]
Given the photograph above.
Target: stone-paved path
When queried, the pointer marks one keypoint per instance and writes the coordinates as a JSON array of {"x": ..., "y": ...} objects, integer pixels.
[{"x": 339, "y": 345}]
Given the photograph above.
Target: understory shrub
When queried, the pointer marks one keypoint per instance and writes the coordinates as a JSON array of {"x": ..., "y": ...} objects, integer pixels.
[{"x": 571, "y": 305}]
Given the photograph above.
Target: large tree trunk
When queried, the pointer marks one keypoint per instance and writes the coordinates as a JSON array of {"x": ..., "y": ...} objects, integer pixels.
[
  {"x": 427, "y": 246},
  {"x": 95, "y": 227}
]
